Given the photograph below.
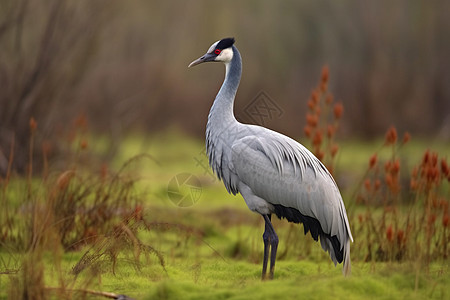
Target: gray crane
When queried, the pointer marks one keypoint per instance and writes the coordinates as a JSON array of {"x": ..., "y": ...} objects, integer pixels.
[{"x": 274, "y": 173}]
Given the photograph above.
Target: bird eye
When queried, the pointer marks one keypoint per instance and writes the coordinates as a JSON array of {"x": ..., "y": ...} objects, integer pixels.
[{"x": 217, "y": 51}]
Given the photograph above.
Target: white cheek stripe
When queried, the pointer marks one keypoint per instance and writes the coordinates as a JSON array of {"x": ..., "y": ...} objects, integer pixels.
[{"x": 226, "y": 55}]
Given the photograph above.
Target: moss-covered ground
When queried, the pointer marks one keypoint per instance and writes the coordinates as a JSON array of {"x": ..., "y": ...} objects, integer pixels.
[{"x": 212, "y": 247}]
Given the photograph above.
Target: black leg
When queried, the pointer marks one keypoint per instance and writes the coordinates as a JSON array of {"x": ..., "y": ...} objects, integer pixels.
[
  {"x": 266, "y": 239},
  {"x": 273, "y": 252},
  {"x": 270, "y": 239}
]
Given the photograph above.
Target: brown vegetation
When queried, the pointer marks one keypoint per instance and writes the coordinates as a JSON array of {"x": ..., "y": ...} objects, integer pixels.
[
  {"x": 74, "y": 210},
  {"x": 322, "y": 122},
  {"x": 415, "y": 207}
]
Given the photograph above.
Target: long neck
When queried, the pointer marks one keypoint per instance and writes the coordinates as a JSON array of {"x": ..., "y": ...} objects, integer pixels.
[{"x": 221, "y": 112}]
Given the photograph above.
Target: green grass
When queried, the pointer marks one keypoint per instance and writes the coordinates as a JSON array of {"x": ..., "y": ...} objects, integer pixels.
[
  {"x": 300, "y": 280},
  {"x": 294, "y": 280},
  {"x": 207, "y": 277},
  {"x": 213, "y": 249}
]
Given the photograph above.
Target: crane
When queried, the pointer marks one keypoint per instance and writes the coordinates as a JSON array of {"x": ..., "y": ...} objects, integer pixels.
[{"x": 274, "y": 173}]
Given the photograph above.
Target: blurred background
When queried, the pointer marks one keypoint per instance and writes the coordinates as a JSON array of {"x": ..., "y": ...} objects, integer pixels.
[{"x": 122, "y": 65}]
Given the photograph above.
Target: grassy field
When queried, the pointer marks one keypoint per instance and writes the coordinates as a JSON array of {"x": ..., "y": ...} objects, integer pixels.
[{"x": 195, "y": 241}]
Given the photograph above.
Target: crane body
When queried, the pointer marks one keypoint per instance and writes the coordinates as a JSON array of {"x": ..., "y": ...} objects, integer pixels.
[{"x": 274, "y": 173}]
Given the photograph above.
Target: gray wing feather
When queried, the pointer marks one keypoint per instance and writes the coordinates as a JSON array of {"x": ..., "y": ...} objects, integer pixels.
[{"x": 282, "y": 171}]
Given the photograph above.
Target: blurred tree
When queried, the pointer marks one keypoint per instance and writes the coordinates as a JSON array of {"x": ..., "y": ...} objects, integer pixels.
[
  {"x": 124, "y": 63},
  {"x": 46, "y": 49}
]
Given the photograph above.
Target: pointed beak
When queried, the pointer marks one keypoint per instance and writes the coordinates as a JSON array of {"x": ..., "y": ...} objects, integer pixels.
[{"x": 205, "y": 58}]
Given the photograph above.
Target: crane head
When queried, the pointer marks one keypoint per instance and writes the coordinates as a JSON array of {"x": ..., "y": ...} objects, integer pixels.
[{"x": 220, "y": 51}]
